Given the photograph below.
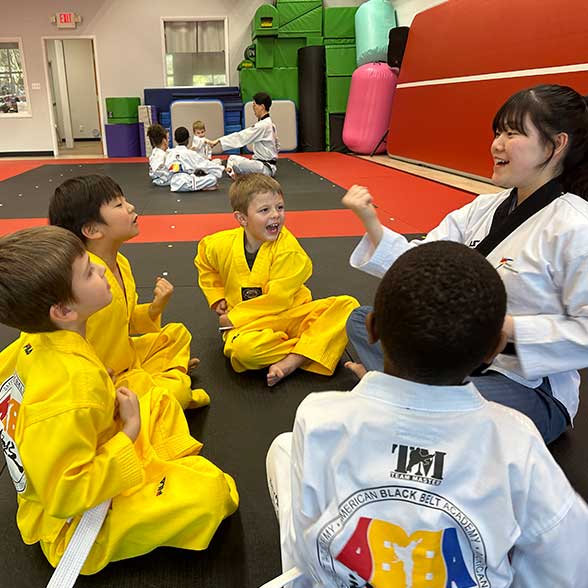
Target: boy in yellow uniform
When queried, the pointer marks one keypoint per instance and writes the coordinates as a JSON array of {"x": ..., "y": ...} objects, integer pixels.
[
  {"x": 71, "y": 440},
  {"x": 127, "y": 336},
  {"x": 253, "y": 277}
]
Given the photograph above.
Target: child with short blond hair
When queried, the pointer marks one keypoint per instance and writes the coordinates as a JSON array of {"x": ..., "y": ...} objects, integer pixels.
[{"x": 254, "y": 279}]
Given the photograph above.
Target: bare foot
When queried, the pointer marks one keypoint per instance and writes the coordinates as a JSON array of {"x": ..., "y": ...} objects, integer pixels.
[
  {"x": 279, "y": 370},
  {"x": 210, "y": 188},
  {"x": 356, "y": 368},
  {"x": 193, "y": 364},
  {"x": 231, "y": 173}
]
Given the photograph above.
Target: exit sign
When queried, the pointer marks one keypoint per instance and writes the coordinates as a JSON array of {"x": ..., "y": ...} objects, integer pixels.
[{"x": 66, "y": 20}]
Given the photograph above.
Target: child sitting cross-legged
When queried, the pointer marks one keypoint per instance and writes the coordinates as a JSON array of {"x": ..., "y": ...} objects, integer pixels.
[
  {"x": 71, "y": 439},
  {"x": 127, "y": 336},
  {"x": 254, "y": 279},
  {"x": 413, "y": 478}
]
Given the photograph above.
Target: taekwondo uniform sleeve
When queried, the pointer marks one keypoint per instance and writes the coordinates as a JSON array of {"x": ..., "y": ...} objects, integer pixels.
[
  {"x": 377, "y": 260},
  {"x": 553, "y": 520},
  {"x": 157, "y": 169},
  {"x": 209, "y": 278},
  {"x": 307, "y": 503},
  {"x": 288, "y": 274},
  {"x": 558, "y": 341},
  {"x": 139, "y": 320},
  {"x": 242, "y": 138}
]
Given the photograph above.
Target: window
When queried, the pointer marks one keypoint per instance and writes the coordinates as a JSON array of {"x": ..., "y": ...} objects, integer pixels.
[
  {"x": 13, "y": 92},
  {"x": 195, "y": 52}
]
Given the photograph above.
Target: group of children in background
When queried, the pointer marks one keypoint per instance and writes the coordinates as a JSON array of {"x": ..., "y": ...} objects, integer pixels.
[
  {"x": 187, "y": 168},
  {"x": 411, "y": 479}
]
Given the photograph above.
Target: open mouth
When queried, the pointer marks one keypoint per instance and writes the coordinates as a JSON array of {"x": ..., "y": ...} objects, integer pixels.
[
  {"x": 501, "y": 162},
  {"x": 273, "y": 228}
]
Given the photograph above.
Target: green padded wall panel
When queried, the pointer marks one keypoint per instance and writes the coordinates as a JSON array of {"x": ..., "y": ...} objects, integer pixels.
[
  {"x": 264, "y": 52},
  {"x": 340, "y": 60},
  {"x": 339, "y": 41},
  {"x": 339, "y": 22},
  {"x": 280, "y": 83},
  {"x": 289, "y": 11},
  {"x": 313, "y": 41},
  {"x": 266, "y": 21},
  {"x": 286, "y": 51},
  {"x": 337, "y": 93},
  {"x": 309, "y": 23},
  {"x": 123, "y": 108}
]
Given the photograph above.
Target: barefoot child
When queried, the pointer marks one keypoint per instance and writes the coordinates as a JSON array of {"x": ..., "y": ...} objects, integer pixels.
[
  {"x": 72, "y": 441},
  {"x": 253, "y": 277},
  {"x": 127, "y": 336}
]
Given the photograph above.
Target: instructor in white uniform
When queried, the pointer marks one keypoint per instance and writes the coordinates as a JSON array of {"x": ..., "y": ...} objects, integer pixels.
[
  {"x": 536, "y": 235},
  {"x": 262, "y": 137}
]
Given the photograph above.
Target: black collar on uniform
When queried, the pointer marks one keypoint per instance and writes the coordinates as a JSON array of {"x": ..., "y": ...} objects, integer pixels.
[
  {"x": 506, "y": 222},
  {"x": 264, "y": 116}
]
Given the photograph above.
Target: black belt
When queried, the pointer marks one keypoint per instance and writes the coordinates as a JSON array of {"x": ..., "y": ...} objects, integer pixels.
[{"x": 270, "y": 161}]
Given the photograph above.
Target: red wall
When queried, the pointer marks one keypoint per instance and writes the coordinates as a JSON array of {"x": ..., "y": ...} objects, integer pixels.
[{"x": 448, "y": 124}]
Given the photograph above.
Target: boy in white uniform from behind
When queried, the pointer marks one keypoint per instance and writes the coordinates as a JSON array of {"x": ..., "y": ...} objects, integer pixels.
[
  {"x": 413, "y": 478},
  {"x": 199, "y": 142},
  {"x": 189, "y": 171},
  {"x": 262, "y": 137},
  {"x": 158, "y": 171}
]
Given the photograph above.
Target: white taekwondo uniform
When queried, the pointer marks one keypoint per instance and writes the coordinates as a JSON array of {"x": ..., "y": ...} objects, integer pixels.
[
  {"x": 158, "y": 171},
  {"x": 403, "y": 484},
  {"x": 263, "y": 138},
  {"x": 544, "y": 267},
  {"x": 190, "y": 172},
  {"x": 200, "y": 146}
]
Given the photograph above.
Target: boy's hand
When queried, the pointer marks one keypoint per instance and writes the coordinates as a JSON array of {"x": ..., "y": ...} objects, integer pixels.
[
  {"x": 211, "y": 142},
  {"x": 161, "y": 295},
  {"x": 220, "y": 307},
  {"x": 360, "y": 201},
  {"x": 224, "y": 321},
  {"x": 127, "y": 405}
]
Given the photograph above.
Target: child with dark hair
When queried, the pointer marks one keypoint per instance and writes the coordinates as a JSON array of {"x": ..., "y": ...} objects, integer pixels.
[
  {"x": 413, "y": 478},
  {"x": 536, "y": 234},
  {"x": 159, "y": 140},
  {"x": 189, "y": 171},
  {"x": 254, "y": 279},
  {"x": 127, "y": 336},
  {"x": 72, "y": 441},
  {"x": 262, "y": 137}
]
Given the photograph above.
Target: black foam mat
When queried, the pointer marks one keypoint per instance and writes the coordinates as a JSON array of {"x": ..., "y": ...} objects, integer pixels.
[{"x": 27, "y": 195}]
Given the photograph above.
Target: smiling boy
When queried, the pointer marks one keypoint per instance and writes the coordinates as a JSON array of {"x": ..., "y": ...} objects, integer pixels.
[{"x": 254, "y": 279}]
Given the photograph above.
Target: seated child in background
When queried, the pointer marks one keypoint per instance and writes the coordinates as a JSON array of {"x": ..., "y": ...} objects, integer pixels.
[
  {"x": 413, "y": 478},
  {"x": 253, "y": 277},
  {"x": 263, "y": 139},
  {"x": 199, "y": 143},
  {"x": 73, "y": 441},
  {"x": 189, "y": 171},
  {"x": 159, "y": 139},
  {"x": 127, "y": 336}
]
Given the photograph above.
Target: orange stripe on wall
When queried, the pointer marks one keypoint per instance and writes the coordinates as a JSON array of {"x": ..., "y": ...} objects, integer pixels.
[{"x": 192, "y": 227}]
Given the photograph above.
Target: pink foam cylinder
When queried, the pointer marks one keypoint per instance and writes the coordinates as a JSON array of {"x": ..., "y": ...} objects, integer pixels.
[{"x": 369, "y": 106}]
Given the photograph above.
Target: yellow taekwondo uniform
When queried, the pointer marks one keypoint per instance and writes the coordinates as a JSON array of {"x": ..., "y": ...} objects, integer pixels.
[
  {"x": 270, "y": 307},
  {"x": 71, "y": 455},
  {"x": 139, "y": 351}
]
